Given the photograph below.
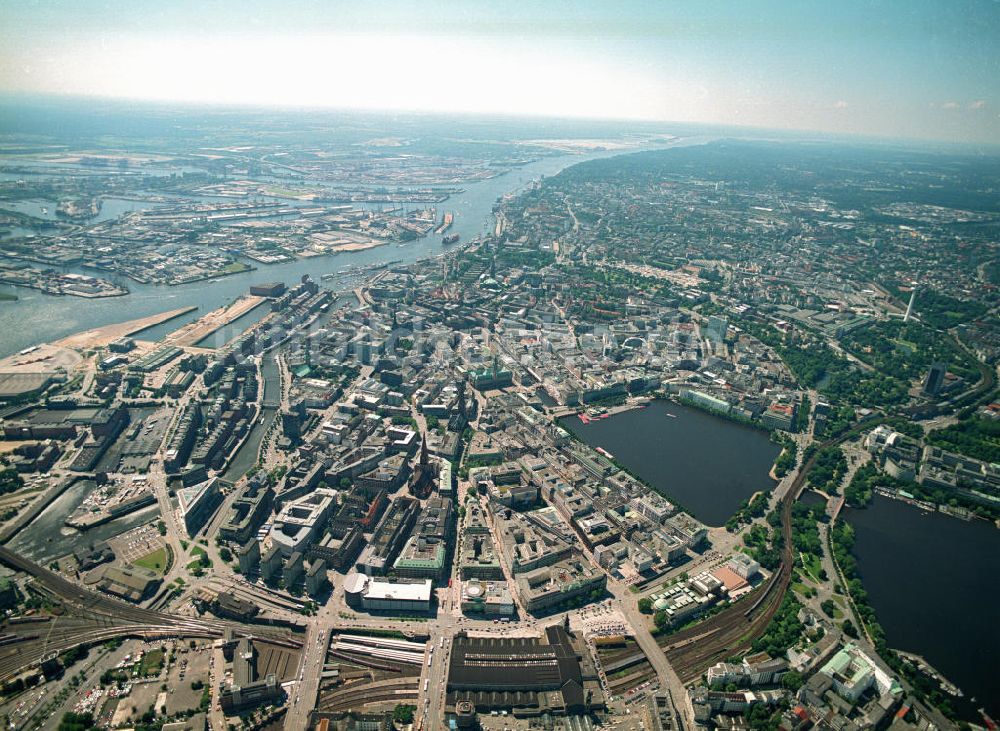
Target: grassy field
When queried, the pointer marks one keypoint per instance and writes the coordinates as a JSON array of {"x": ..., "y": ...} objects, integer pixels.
[
  {"x": 803, "y": 590},
  {"x": 812, "y": 566},
  {"x": 152, "y": 662},
  {"x": 201, "y": 561},
  {"x": 155, "y": 561}
]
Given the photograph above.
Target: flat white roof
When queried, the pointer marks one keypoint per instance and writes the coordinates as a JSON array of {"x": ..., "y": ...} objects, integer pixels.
[{"x": 416, "y": 592}]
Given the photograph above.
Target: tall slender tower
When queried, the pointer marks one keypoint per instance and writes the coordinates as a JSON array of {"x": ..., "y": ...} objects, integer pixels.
[{"x": 909, "y": 307}]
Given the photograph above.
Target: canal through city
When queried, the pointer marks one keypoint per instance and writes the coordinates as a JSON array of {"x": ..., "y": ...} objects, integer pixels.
[
  {"x": 47, "y": 537},
  {"x": 246, "y": 456}
]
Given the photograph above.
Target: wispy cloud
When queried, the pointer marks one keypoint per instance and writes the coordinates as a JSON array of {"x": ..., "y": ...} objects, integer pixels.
[
  {"x": 950, "y": 105},
  {"x": 840, "y": 104},
  {"x": 978, "y": 104}
]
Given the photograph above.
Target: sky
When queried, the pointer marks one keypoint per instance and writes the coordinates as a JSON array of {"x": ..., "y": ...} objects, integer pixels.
[{"x": 895, "y": 68}]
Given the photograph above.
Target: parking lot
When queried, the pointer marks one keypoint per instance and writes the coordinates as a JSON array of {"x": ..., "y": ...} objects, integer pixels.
[{"x": 136, "y": 543}]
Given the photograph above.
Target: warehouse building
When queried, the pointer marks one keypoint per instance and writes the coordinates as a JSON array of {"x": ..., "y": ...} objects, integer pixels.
[{"x": 132, "y": 583}]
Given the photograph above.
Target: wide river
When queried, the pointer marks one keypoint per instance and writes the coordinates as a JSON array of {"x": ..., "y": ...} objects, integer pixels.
[
  {"x": 930, "y": 579},
  {"x": 705, "y": 463},
  {"x": 35, "y": 318}
]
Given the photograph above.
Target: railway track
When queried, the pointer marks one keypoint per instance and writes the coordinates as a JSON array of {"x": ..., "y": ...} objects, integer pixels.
[
  {"x": 981, "y": 391},
  {"x": 692, "y": 651},
  {"x": 355, "y": 698},
  {"x": 33, "y": 653},
  {"x": 93, "y": 618}
]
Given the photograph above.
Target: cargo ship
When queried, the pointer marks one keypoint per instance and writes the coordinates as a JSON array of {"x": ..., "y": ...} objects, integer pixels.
[{"x": 449, "y": 239}]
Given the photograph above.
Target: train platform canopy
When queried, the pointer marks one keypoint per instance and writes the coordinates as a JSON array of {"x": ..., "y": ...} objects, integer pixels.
[{"x": 522, "y": 673}]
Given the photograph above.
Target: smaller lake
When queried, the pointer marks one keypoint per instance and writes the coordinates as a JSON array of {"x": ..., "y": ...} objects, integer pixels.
[
  {"x": 930, "y": 579},
  {"x": 705, "y": 463},
  {"x": 811, "y": 497}
]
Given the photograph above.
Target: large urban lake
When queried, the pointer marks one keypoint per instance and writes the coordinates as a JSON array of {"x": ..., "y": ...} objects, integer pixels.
[
  {"x": 705, "y": 463},
  {"x": 931, "y": 581}
]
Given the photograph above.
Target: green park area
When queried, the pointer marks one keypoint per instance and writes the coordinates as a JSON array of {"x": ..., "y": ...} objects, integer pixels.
[{"x": 158, "y": 561}]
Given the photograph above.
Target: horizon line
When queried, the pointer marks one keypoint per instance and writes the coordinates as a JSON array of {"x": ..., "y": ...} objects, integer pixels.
[{"x": 245, "y": 107}]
